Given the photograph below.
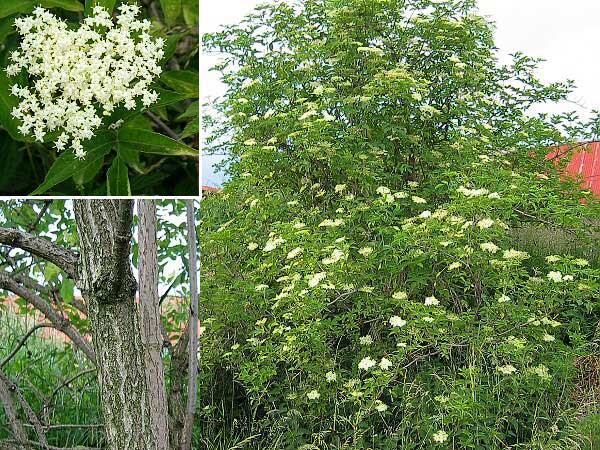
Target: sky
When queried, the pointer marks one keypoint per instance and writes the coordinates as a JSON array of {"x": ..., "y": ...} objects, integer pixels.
[{"x": 565, "y": 34}]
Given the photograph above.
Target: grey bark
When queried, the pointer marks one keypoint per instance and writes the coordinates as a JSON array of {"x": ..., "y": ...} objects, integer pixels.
[
  {"x": 107, "y": 282},
  {"x": 186, "y": 440},
  {"x": 150, "y": 322},
  {"x": 10, "y": 409},
  {"x": 39, "y": 246}
]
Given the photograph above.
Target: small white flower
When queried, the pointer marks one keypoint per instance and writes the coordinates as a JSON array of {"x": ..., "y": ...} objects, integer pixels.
[
  {"x": 485, "y": 223},
  {"x": 431, "y": 301},
  {"x": 316, "y": 278},
  {"x": 330, "y": 377},
  {"x": 508, "y": 369},
  {"x": 365, "y": 251},
  {"x": 339, "y": 187},
  {"x": 425, "y": 214},
  {"x": 555, "y": 276},
  {"x": 400, "y": 295},
  {"x": 548, "y": 338},
  {"x": 380, "y": 406},
  {"x": 366, "y": 363},
  {"x": 455, "y": 265},
  {"x": 385, "y": 364},
  {"x": 273, "y": 243},
  {"x": 428, "y": 319},
  {"x": 568, "y": 278},
  {"x": 295, "y": 252},
  {"x": 383, "y": 190},
  {"x": 553, "y": 258},
  {"x": 504, "y": 299},
  {"x": 418, "y": 199},
  {"x": 514, "y": 254},
  {"x": 440, "y": 436},
  {"x": 261, "y": 287},
  {"x": 336, "y": 255},
  {"x": 313, "y": 395},
  {"x": 489, "y": 247},
  {"x": 366, "y": 340},
  {"x": 397, "y": 322},
  {"x": 252, "y": 246}
]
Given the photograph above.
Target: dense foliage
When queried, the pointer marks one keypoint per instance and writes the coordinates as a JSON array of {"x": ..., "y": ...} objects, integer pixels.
[
  {"x": 361, "y": 274},
  {"x": 134, "y": 141}
]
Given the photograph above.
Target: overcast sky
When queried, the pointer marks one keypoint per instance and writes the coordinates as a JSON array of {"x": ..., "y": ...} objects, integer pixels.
[{"x": 565, "y": 34}]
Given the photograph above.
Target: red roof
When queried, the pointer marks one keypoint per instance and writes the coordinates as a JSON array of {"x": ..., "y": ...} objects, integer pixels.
[{"x": 585, "y": 163}]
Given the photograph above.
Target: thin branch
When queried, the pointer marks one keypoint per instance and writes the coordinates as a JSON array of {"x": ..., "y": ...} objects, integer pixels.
[
  {"x": 33, "y": 225},
  {"x": 60, "y": 323},
  {"x": 163, "y": 126},
  {"x": 67, "y": 382},
  {"x": 33, "y": 419},
  {"x": 64, "y": 258},
  {"x": 186, "y": 439},
  {"x": 10, "y": 410},
  {"x": 22, "y": 342},
  {"x": 3, "y": 445}
]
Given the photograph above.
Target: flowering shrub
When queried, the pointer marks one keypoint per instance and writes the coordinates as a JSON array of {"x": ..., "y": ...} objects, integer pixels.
[
  {"x": 92, "y": 87},
  {"x": 360, "y": 273}
]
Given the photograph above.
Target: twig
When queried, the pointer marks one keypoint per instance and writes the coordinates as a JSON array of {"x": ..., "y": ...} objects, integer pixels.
[
  {"x": 161, "y": 125},
  {"x": 22, "y": 342},
  {"x": 67, "y": 382},
  {"x": 33, "y": 225}
]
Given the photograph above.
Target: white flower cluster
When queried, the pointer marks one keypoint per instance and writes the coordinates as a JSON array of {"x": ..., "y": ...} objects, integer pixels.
[{"x": 81, "y": 75}]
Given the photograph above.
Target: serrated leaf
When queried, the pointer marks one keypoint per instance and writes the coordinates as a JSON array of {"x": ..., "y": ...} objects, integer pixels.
[
  {"x": 191, "y": 128},
  {"x": 69, "y": 5},
  {"x": 117, "y": 178},
  {"x": 192, "y": 111},
  {"x": 67, "y": 164},
  {"x": 171, "y": 10},
  {"x": 8, "y": 8},
  {"x": 182, "y": 81},
  {"x": 151, "y": 142},
  {"x": 108, "y": 4}
]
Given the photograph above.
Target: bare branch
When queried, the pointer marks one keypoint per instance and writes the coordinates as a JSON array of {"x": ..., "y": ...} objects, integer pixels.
[
  {"x": 186, "y": 439},
  {"x": 10, "y": 410},
  {"x": 60, "y": 323},
  {"x": 33, "y": 419},
  {"x": 64, "y": 258},
  {"x": 22, "y": 342},
  {"x": 33, "y": 225}
]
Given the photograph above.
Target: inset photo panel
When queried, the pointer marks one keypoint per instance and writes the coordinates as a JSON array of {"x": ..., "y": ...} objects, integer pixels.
[
  {"x": 99, "y": 98},
  {"x": 99, "y": 324},
  {"x": 400, "y": 225}
]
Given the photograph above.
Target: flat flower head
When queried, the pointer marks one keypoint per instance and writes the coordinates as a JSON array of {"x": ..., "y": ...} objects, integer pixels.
[
  {"x": 78, "y": 76},
  {"x": 366, "y": 363}
]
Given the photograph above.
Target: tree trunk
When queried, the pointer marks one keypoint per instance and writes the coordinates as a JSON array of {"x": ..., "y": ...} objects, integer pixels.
[
  {"x": 188, "y": 424},
  {"x": 150, "y": 315},
  {"x": 106, "y": 280}
]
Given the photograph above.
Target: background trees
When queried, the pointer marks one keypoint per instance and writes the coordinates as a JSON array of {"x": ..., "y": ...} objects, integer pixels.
[
  {"x": 363, "y": 274},
  {"x": 90, "y": 250}
]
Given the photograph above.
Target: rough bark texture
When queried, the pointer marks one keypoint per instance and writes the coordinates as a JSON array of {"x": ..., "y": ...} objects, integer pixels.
[
  {"x": 177, "y": 376},
  {"x": 150, "y": 323},
  {"x": 107, "y": 282},
  {"x": 62, "y": 257},
  {"x": 10, "y": 409},
  {"x": 186, "y": 440}
]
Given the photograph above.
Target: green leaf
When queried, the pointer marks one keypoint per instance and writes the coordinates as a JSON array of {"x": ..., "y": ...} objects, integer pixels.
[
  {"x": 182, "y": 81},
  {"x": 89, "y": 173},
  {"x": 10, "y": 158},
  {"x": 50, "y": 271},
  {"x": 191, "y": 128},
  {"x": 117, "y": 178},
  {"x": 7, "y": 103},
  {"x": 69, "y": 5},
  {"x": 151, "y": 142},
  {"x": 170, "y": 46},
  {"x": 66, "y": 290},
  {"x": 67, "y": 164},
  {"x": 108, "y": 4},
  {"x": 190, "y": 11},
  {"x": 171, "y": 10},
  {"x": 6, "y": 28},
  {"x": 15, "y": 6},
  {"x": 165, "y": 98},
  {"x": 192, "y": 111}
]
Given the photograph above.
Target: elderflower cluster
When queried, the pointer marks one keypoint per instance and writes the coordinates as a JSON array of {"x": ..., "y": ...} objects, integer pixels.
[{"x": 81, "y": 75}]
